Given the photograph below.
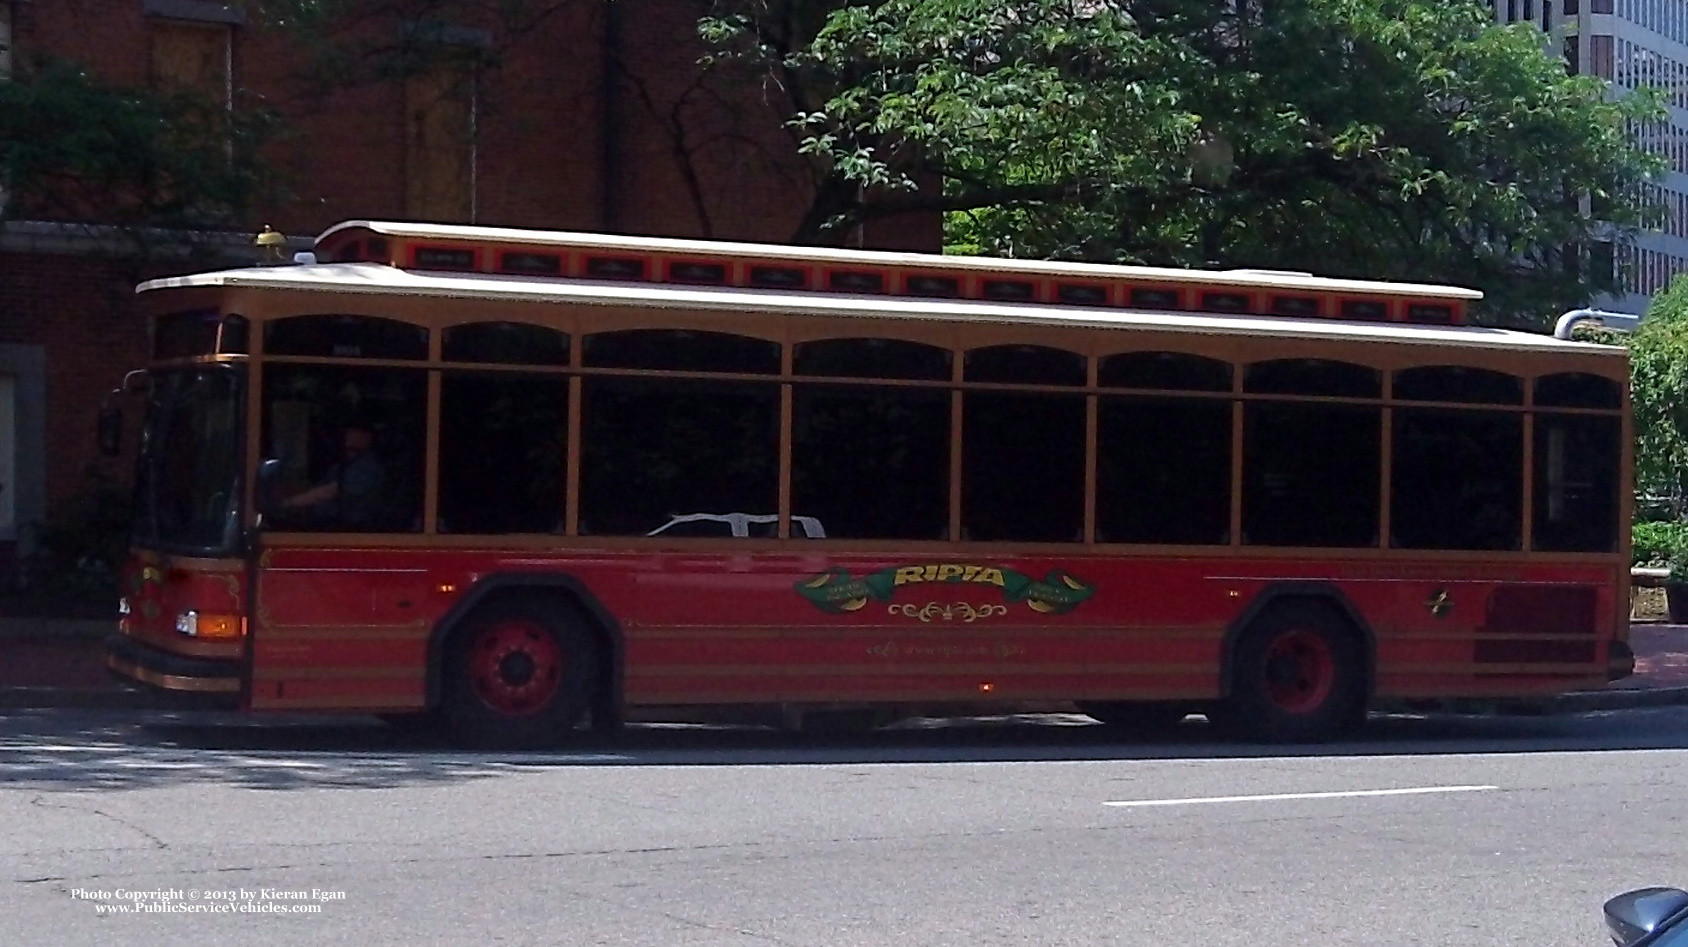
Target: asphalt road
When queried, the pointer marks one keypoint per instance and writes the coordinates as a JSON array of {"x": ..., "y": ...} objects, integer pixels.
[{"x": 1515, "y": 831}]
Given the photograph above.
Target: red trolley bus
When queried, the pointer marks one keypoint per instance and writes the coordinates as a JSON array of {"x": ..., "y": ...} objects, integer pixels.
[{"x": 528, "y": 481}]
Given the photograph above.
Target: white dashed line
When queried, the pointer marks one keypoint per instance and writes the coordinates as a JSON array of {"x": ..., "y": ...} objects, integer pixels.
[{"x": 1275, "y": 797}]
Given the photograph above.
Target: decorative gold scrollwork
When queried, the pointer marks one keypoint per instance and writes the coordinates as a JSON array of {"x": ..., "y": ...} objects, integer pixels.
[{"x": 947, "y": 611}]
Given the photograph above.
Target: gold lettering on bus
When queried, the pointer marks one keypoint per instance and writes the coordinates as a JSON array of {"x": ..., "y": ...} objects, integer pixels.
[{"x": 949, "y": 572}]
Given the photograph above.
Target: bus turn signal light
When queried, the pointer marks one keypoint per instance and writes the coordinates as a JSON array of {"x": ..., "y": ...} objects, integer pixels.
[{"x": 210, "y": 625}]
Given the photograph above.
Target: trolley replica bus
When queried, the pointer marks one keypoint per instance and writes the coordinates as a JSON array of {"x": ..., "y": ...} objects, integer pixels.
[{"x": 530, "y": 481}]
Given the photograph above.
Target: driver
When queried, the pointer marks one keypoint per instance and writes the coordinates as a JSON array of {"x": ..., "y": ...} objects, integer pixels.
[{"x": 350, "y": 495}]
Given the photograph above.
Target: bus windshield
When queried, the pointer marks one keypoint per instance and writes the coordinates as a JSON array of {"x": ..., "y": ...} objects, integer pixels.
[{"x": 188, "y": 482}]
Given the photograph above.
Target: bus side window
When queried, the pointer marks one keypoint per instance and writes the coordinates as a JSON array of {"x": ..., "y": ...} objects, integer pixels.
[{"x": 350, "y": 441}]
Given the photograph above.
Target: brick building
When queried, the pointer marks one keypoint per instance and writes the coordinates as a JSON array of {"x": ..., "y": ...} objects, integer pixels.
[{"x": 593, "y": 116}]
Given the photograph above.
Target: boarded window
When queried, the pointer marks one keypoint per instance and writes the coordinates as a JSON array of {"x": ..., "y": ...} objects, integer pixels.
[
  {"x": 191, "y": 56},
  {"x": 439, "y": 145}
]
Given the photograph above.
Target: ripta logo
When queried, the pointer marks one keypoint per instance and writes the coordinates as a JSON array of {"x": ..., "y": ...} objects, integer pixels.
[{"x": 836, "y": 591}]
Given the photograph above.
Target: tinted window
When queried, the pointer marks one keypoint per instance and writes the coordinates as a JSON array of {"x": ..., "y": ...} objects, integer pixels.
[
  {"x": 872, "y": 463},
  {"x": 345, "y": 337},
  {"x": 182, "y": 334},
  {"x": 351, "y": 443},
  {"x": 654, "y": 449},
  {"x": 1576, "y": 483},
  {"x": 1458, "y": 480},
  {"x": 1313, "y": 376},
  {"x": 1458, "y": 383},
  {"x": 1172, "y": 371},
  {"x": 682, "y": 350},
  {"x": 871, "y": 358},
  {"x": 1022, "y": 475},
  {"x": 502, "y": 444},
  {"x": 1578, "y": 390},
  {"x": 1024, "y": 365},
  {"x": 1310, "y": 474},
  {"x": 1163, "y": 470},
  {"x": 516, "y": 343}
]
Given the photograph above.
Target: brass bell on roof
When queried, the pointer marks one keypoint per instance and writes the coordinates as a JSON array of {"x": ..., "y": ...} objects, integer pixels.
[{"x": 271, "y": 243}]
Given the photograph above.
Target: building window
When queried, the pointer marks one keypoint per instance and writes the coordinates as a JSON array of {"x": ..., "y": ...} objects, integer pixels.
[
  {"x": 190, "y": 46},
  {"x": 439, "y": 145}
]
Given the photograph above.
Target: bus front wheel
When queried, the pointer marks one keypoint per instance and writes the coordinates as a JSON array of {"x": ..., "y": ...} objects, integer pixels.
[
  {"x": 1297, "y": 676},
  {"x": 518, "y": 674}
]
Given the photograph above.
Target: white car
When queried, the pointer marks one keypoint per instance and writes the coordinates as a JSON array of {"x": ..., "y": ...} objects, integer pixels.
[{"x": 737, "y": 525}]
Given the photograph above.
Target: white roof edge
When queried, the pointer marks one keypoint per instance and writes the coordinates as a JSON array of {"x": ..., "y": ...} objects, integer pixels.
[
  {"x": 1265, "y": 279},
  {"x": 380, "y": 279}
]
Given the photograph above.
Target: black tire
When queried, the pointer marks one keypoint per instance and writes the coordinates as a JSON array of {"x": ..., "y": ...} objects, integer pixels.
[
  {"x": 1136, "y": 717},
  {"x": 518, "y": 674},
  {"x": 1298, "y": 675}
]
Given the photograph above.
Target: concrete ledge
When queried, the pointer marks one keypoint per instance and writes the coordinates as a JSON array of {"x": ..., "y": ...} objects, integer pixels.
[
  {"x": 78, "y": 698},
  {"x": 96, "y": 628}
]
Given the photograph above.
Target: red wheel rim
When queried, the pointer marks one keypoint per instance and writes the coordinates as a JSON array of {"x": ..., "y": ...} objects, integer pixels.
[
  {"x": 1299, "y": 671},
  {"x": 515, "y": 667}
]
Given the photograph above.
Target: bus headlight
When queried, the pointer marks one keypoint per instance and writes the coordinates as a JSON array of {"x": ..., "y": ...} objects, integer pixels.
[{"x": 210, "y": 625}]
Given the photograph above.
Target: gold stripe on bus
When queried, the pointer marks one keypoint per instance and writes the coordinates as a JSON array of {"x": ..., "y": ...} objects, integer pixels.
[
  {"x": 382, "y": 672},
  {"x": 934, "y": 630},
  {"x": 928, "y": 669},
  {"x": 268, "y": 633}
]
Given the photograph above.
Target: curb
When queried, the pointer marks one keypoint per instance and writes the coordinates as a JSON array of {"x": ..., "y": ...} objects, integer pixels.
[
  {"x": 75, "y": 698},
  {"x": 1618, "y": 698}
]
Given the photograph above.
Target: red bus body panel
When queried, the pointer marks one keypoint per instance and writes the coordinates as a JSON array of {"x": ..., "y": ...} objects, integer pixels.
[{"x": 349, "y": 629}]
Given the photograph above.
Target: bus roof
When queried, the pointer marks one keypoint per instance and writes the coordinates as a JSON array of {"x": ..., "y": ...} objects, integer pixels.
[
  {"x": 372, "y": 279},
  {"x": 1241, "y": 278}
]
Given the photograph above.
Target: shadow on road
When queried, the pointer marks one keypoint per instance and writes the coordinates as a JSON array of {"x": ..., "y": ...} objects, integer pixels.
[{"x": 82, "y": 750}]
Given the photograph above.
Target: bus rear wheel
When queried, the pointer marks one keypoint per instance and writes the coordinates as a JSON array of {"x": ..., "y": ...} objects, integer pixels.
[
  {"x": 518, "y": 674},
  {"x": 1297, "y": 676}
]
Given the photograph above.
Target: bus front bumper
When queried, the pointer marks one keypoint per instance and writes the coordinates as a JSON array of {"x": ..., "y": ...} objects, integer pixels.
[{"x": 201, "y": 681}]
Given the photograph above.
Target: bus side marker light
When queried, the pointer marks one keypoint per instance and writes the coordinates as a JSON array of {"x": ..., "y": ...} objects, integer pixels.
[
  {"x": 210, "y": 625},
  {"x": 986, "y": 687},
  {"x": 446, "y": 588}
]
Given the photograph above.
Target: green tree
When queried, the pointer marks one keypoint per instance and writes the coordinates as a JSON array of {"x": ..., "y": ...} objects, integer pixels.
[
  {"x": 1658, "y": 360},
  {"x": 1409, "y": 139},
  {"x": 75, "y": 148}
]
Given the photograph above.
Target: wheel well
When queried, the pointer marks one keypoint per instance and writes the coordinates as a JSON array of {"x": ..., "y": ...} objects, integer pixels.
[
  {"x": 562, "y": 592},
  {"x": 1321, "y": 596}
]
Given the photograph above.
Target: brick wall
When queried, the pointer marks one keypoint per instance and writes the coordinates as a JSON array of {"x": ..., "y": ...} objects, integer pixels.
[{"x": 82, "y": 311}]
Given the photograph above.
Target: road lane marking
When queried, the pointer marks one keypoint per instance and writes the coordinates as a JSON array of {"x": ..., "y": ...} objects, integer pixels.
[{"x": 1274, "y": 797}]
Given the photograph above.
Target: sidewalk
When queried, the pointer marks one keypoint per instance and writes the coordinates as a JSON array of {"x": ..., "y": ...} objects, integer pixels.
[{"x": 46, "y": 663}]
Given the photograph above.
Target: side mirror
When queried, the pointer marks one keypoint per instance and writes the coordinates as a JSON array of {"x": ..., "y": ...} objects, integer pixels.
[
  {"x": 1636, "y": 917},
  {"x": 111, "y": 431}
]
